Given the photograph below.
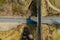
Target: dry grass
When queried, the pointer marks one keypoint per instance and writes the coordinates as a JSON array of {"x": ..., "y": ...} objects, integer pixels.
[
  {"x": 16, "y": 33},
  {"x": 19, "y": 10},
  {"x": 48, "y": 31},
  {"x": 46, "y": 10}
]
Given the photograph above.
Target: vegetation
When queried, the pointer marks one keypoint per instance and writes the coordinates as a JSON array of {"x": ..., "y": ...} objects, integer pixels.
[
  {"x": 15, "y": 9},
  {"x": 53, "y": 30},
  {"x": 53, "y": 3},
  {"x": 57, "y": 36},
  {"x": 2, "y": 2}
]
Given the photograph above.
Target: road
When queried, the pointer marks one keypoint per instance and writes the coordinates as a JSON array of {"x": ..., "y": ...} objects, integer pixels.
[
  {"x": 50, "y": 19},
  {"x": 17, "y": 19}
]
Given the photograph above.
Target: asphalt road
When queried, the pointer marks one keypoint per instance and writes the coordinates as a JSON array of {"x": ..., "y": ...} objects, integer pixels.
[
  {"x": 22, "y": 20},
  {"x": 50, "y": 19}
]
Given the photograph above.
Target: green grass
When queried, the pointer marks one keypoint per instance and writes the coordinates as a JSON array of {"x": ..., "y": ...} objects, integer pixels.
[
  {"x": 57, "y": 36},
  {"x": 2, "y": 2},
  {"x": 52, "y": 2}
]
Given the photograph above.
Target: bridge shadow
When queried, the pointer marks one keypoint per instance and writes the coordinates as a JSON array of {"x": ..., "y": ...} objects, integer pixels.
[
  {"x": 29, "y": 20},
  {"x": 29, "y": 29}
]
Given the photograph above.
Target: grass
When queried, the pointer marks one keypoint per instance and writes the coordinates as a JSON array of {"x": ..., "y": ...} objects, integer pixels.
[
  {"x": 15, "y": 9},
  {"x": 57, "y": 36},
  {"x": 53, "y": 3},
  {"x": 2, "y": 2}
]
